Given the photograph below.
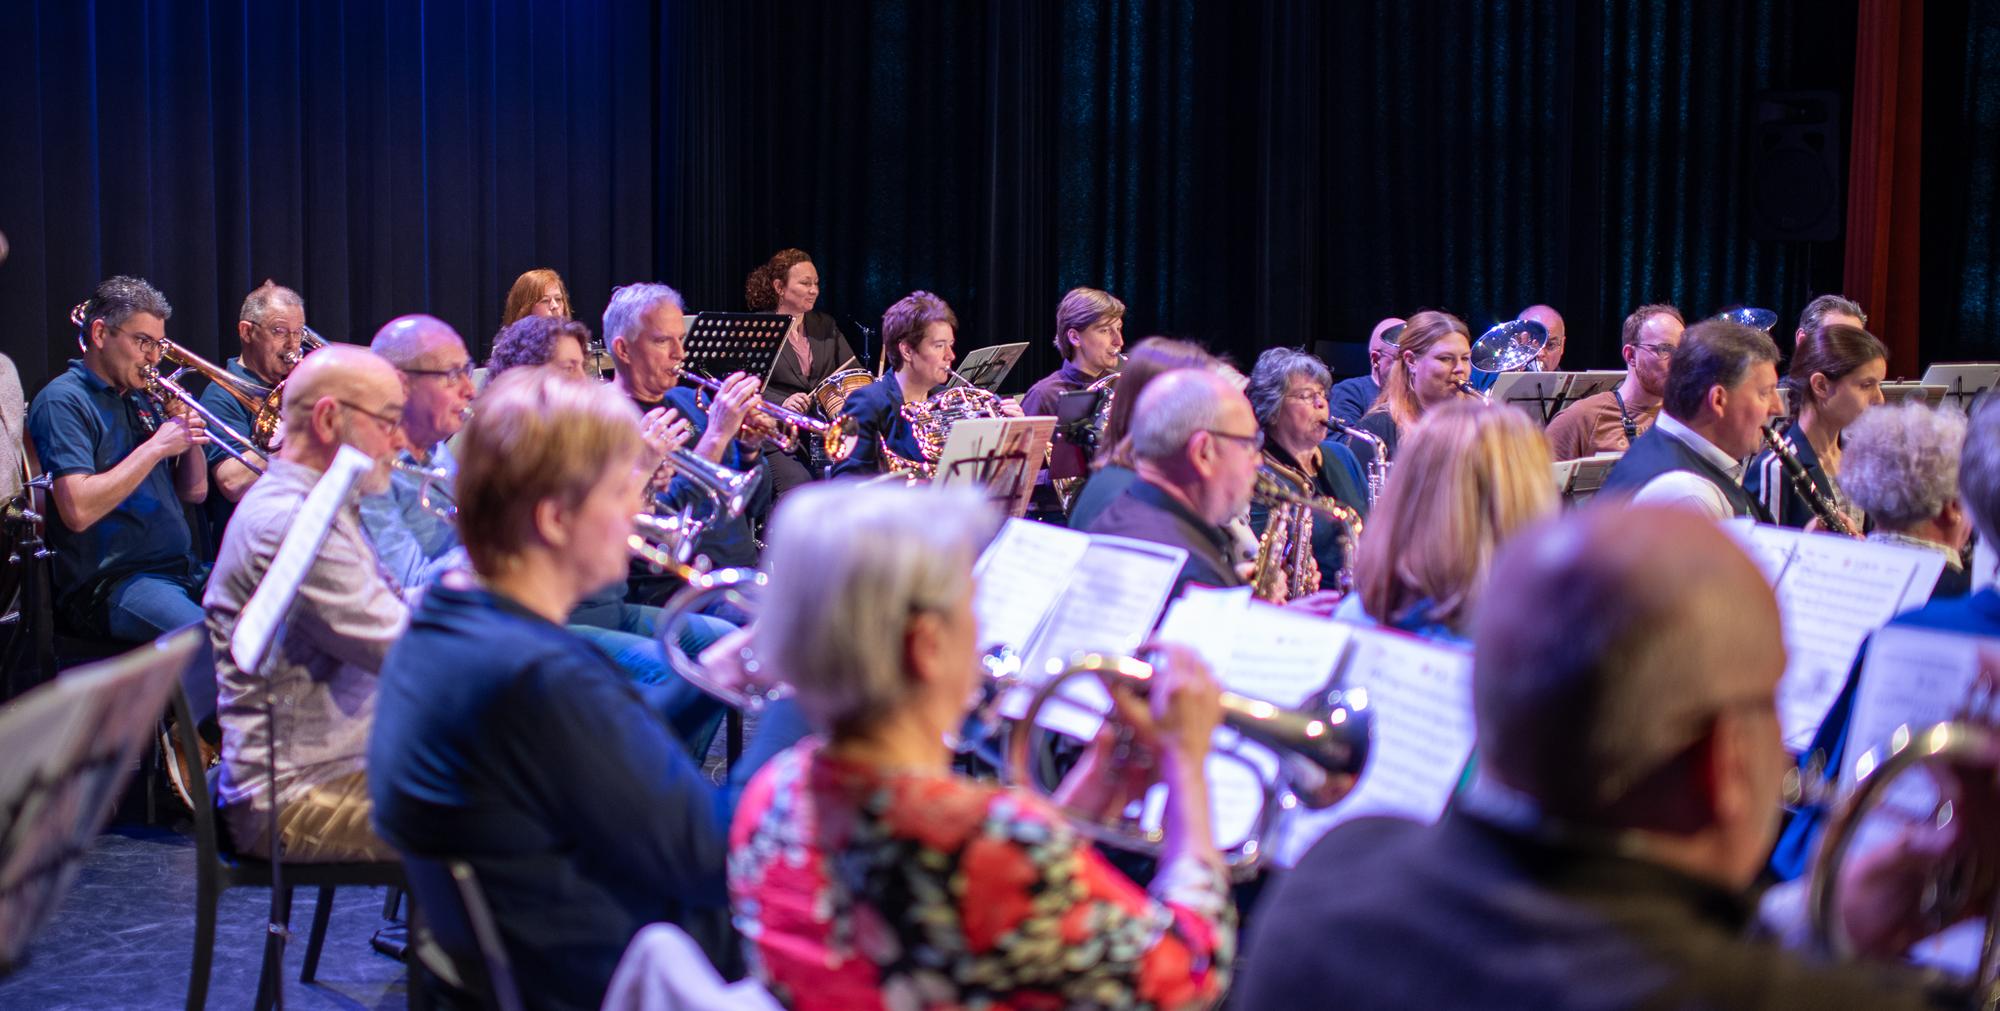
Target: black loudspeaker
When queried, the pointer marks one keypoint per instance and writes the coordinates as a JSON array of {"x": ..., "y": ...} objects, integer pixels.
[{"x": 1796, "y": 156}]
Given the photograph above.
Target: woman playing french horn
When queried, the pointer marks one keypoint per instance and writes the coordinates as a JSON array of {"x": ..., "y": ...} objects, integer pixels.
[
  {"x": 865, "y": 873},
  {"x": 919, "y": 334}
]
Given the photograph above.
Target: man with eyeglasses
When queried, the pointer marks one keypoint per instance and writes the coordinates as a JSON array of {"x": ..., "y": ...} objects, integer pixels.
[
  {"x": 270, "y": 325},
  {"x": 1608, "y": 422},
  {"x": 1197, "y": 448},
  {"x": 348, "y": 615},
  {"x": 409, "y": 524},
  {"x": 125, "y": 565}
]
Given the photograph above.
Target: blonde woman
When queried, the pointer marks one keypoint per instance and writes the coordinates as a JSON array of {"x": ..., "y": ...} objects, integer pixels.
[
  {"x": 1433, "y": 362},
  {"x": 1470, "y": 475}
]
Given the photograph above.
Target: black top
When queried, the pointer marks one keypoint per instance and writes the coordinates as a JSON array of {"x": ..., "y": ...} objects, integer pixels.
[
  {"x": 505, "y": 740},
  {"x": 1380, "y": 425},
  {"x": 1146, "y": 512},
  {"x": 1351, "y": 398},
  {"x": 1041, "y": 398},
  {"x": 727, "y": 543},
  {"x": 830, "y": 353},
  {"x": 878, "y": 409},
  {"x": 1388, "y": 914},
  {"x": 1767, "y": 483},
  {"x": 1655, "y": 452}
]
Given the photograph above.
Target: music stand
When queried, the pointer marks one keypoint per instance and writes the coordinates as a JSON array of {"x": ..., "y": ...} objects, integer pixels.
[
  {"x": 1075, "y": 436},
  {"x": 1579, "y": 479},
  {"x": 1536, "y": 393},
  {"x": 1963, "y": 382},
  {"x": 721, "y": 343},
  {"x": 985, "y": 367},
  {"x": 1587, "y": 384},
  {"x": 1926, "y": 393},
  {"x": 71, "y": 745},
  {"x": 1001, "y": 455}
]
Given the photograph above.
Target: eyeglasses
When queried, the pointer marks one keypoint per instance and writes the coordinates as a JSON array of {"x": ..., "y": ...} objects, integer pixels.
[
  {"x": 1659, "y": 350},
  {"x": 453, "y": 374},
  {"x": 1255, "y": 440},
  {"x": 145, "y": 340},
  {"x": 282, "y": 333},
  {"x": 1316, "y": 398},
  {"x": 390, "y": 421}
]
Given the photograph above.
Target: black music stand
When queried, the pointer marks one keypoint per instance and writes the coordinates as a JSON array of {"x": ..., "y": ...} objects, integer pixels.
[
  {"x": 986, "y": 367},
  {"x": 720, "y": 343},
  {"x": 71, "y": 745}
]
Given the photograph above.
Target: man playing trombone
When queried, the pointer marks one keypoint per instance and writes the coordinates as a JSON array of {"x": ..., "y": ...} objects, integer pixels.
[
  {"x": 271, "y": 325},
  {"x": 122, "y": 464}
]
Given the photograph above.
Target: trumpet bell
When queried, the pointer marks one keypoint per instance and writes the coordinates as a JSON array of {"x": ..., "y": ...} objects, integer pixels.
[
  {"x": 1321, "y": 746},
  {"x": 1510, "y": 347},
  {"x": 742, "y": 589}
]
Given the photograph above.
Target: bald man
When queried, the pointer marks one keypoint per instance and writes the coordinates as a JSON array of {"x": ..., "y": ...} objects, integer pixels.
[
  {"x": 1351, "y": 398},
  {"x": 324, "y": 675},
  {"x": 415, "y": 541},
  {"x": 1630, "y": 763},
  {"x": 1552, "y": 321},
  {"x": 1197, "y": 447}
]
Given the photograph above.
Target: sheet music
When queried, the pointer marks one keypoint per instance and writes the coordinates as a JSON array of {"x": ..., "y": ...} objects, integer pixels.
[
  {"x": 1769, "y": 546},
  {"x": 1001, "y": 455},
  {"x": 1021, "y": 572},
  {"x": 258, "y": 625},
  {"x": 1835, "y": 591},
  {"x": 1914, "y": 677},
  {"x": 1421, "y": 695}
]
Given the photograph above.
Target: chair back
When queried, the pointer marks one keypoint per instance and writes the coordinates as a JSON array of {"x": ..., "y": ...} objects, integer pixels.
[{"x": 453, "y": 936}]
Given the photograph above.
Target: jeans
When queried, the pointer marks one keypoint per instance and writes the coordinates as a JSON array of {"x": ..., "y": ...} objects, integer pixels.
[
  {"x": 624, "y": 632},
  {"x": 145, "y": 607}
]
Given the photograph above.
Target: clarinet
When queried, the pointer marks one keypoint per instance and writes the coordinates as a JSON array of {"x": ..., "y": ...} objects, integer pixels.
[{"x": 1802, "y": 483}]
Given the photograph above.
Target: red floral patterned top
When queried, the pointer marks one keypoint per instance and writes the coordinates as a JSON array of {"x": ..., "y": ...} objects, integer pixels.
[{"x": 860, "y": 888}]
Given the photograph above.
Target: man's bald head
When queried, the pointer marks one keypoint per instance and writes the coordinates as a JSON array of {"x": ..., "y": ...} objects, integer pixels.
[
  {"x": 1551, "y": 321},
  {"x": 340, "y": 372},
  {"x": 1382, "y": 346},
  {"x": 1610, "y": 641},
  {"x": 407, "y": 340}
]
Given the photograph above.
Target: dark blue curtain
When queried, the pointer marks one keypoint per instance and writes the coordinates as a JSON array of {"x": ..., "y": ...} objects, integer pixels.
[
  {"x": 1246, "y": 173},
  {"x": 1960, "y": 286}
]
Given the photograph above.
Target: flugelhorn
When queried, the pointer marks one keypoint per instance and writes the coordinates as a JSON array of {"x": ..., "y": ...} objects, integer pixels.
[
  {"x": 1322, "y": 747},
  {"x": 837, "y": 437}
]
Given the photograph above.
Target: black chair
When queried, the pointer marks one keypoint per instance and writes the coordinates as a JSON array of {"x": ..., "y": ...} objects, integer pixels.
[
  {"x": 454, "y": 943},
  {"x": 218, "y": 870}
]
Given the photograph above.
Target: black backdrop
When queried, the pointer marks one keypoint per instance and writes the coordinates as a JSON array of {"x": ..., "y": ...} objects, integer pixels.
[{"x": 1245, "y": 173}]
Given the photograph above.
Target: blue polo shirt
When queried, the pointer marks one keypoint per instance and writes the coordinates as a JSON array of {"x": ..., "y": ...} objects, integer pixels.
[
  {"x": 82, "y": 426},
  {"x": 235, "y": 415}
]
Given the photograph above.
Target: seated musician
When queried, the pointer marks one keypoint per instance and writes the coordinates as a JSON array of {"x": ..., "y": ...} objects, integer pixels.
[
  {"x": 1196, "y": 448},
  {"x": 1908, "y": 487},
  {"x": 1825, "y": 311},
  {"x": 1901, "y": 470},
  {"x": 270, "y": 326},
  {"x": 323, "y": 674},
  {"x": 645, "y": 326},
  {"x": 408, "y": 524},
  {"x": 1433, "y": 359},
  {"x": 538, "y": 292},
  {"x": 1470, "y": 476},
  {"x": 918, "y": 334},
  {"x": 1351, "y": 398},
  {"x": 814, "y": 349},
  {"x": 1111, "y": 469},
  {"x": 125, "y": 565},
  {"x": 1607, "y": 422},
  {"x": 1722, "y": 386},
  {"x": 503, "y": 740},
  {"x": 864, "y": 872},
  {"x": 1287, "y": 392},
  {"x": 1836, "y": 375},
  {"x": 1090, "y": 332},
  {"x": 560, "y": 344},
  {"x": 1625, "y": 673},
  {"x": 1556, "y": 339}
]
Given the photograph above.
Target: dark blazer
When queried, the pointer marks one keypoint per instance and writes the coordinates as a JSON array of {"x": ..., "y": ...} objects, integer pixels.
[
  {"x": 830, "y": 353},
  {"x": 1387, "y": 914},
  {"x": 1655, "y": 452},
  {"x": 878, "y": 409},
  {"x": 1765, "y": 481},
  {"x": 1146, "y": 512},
  {"x": 505, "y": 740}
]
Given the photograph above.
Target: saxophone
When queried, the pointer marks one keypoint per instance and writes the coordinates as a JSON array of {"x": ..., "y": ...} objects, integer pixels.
[{"x": 1286, "y": 543}]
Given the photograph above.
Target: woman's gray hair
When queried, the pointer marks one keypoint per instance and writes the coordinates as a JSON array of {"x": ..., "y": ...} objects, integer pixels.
[
  {"x": 629, "y": 302},
  {"x": 850, "y": 565},
  {"x": 1273, "y": 375},
  {"x": 1901, "y": 462}
]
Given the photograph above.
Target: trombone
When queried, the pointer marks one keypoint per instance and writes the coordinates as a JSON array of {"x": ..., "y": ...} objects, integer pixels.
[
  {"x": 837, "y": 437},
  {"x": 164, "y": 388},
  {"x": 309, "y": 342}
]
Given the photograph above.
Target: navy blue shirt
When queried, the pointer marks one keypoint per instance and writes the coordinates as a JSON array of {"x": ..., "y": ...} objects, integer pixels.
[
  {"x": 1351, "y": 398},
  {"x": 232, "y": 412},
  {"x": 878, "y": 409},
  {"x": 503, "y": 739},
  {"x": 80, "y": 425},
  {"x": 727, "y": 542}
]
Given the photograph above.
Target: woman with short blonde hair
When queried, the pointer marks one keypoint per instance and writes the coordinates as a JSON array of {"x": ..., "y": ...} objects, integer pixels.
[{"x": 1470, "y": 475}]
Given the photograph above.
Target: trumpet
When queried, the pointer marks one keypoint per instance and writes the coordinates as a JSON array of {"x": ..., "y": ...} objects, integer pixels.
[
  {"x": 426, "y": 477},
  {"x": 837, "y": 437},
  {"x": 1322, "y": 746},
  {"x": 164, "y": 388}
]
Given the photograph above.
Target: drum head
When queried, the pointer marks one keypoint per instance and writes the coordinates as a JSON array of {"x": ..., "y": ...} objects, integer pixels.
[{"x": 832, "y": 392}]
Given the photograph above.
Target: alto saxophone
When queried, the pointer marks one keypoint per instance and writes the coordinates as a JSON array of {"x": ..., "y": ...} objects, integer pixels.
[{"x": 1286, "y": 544}]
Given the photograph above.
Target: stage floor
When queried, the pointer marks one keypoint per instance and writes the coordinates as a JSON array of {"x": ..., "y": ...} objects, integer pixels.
[{"x": 124, "y": 935}]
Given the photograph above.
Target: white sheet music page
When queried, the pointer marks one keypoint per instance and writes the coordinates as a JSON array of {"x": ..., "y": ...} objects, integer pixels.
[
  {"x": 258, "y": 624},
  {"x": 1769, "y": 546},
  {"x": 1914, "y": 677},
  {"x": 1421, "y": 695},
  {"x": 1835, "y": 591},
  {"x": 1260, "y": 651},
  {"x": 1020, "y": 576}
]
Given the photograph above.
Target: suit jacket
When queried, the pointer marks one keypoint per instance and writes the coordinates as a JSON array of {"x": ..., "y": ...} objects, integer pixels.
[
  {"x": 830, "y": 353},
  {"x": 1656, "y": 452},
  {"x": 1388, "y": 914}
]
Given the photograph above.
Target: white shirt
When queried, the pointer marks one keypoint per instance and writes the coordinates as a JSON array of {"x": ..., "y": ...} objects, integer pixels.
[{"x": 1685, "y": 488}]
